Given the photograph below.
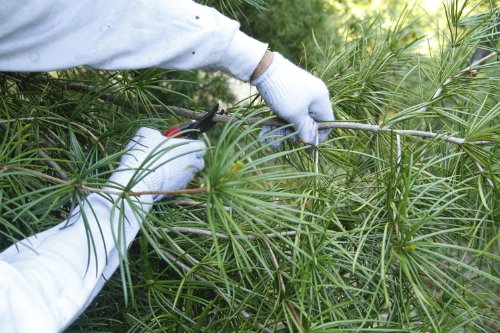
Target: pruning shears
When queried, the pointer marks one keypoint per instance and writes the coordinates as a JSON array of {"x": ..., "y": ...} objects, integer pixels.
[{"x": 195, "y": 128}]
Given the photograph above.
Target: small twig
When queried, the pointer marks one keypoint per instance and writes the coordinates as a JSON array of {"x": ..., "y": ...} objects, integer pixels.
[
  {"x": 48, "y": 142},
  {"x": 5, "y": 121},
  {"x": 481, "y": 170},
  {"x": 181, "y": 264},
  {"x": 281, "y": 284},
  {"x": 140, "y": 193},
  {"x": 220, "y": 235},
  {"x": 58, "y": 139},
  {"x": 6, "y": 168},
  {"x": 475, "y": 64},
  {"x": 89, "y": 133},
  {"x": 396, "y": 224},
  {"x": 54, "y": 165},
  {"x": 440, "y": 90},
  {"x": 192, "y": 259},
  {"x": 400, "y": 152},
  {"x": 84, "y": 188},
  {"x": 189, "y": 202}
]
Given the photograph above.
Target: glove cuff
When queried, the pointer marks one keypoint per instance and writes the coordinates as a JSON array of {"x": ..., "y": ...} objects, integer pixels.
[
  {"x": 275, "y": 84},
  {"x": 242, "y": 56},
  {"x": 278, "y": 61}
]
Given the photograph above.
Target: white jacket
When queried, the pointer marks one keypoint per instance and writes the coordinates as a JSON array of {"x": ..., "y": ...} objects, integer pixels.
[
  {"x": 44, "y": 35},
  {"x": 48, "y": 279}
]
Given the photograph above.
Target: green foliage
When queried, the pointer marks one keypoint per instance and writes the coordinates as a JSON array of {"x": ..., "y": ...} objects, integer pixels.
[
  {"x": 290, "y": 34},
  {"x": 396, "y": 233}
]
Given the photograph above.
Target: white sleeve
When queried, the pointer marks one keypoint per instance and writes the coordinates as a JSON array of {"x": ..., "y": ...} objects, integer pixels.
[
  {"x": 123, "y": 34},
  {"x": 48, "y": 279}
]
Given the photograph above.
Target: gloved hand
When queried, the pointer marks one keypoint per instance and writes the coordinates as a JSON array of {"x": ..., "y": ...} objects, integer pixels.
[
  {"x": 296, "y": 96},
  {"x": 155, "y": 163}
]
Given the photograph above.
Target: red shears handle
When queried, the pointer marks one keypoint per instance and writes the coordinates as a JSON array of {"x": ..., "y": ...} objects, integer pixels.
[{"x": 194, "y": 129}]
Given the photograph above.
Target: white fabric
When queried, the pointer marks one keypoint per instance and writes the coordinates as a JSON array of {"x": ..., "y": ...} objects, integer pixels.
[
  {"x": 45, "y": 35},
  {"x": 297, "y": 97},
  {"x": 48, "y": 279}
]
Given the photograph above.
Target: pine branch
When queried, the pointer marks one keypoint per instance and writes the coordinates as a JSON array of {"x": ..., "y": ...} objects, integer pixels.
[
  {"x": 53, "y": 164},
  {"x": 422, "y": 134},
  {"x": 113, "y": 98},
  {"x": 85, "y": 188},
  {"x": 38, "y": 174},
  {"x": 220, "y": 235}
]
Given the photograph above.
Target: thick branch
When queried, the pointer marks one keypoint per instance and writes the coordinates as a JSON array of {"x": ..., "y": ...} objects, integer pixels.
[
  {"x": 118, "y": 101},
  {"x": 333, "y": 125},
  {"x": 422, "y": 134},
  {"x": 113, "y": 98}
]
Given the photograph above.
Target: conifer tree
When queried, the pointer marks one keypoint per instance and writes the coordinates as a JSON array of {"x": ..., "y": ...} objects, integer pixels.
[{"x": 389, "y": 226}]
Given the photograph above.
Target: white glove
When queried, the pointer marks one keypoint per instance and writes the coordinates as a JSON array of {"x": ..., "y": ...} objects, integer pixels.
[
  {"x": 296, "y": 96},
  {"x": 153, "y": 162}
]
